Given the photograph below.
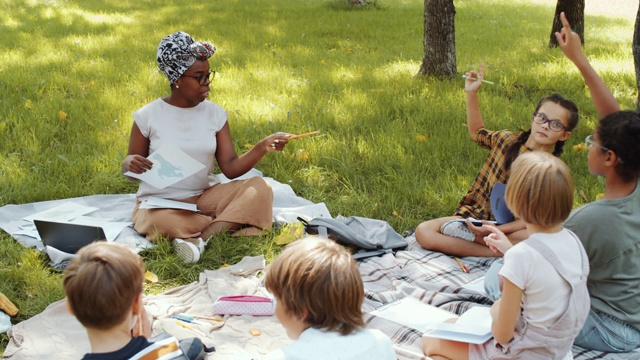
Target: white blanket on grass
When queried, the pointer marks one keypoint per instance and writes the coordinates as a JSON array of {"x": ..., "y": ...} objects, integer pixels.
[
  {"x": 428, "y": 276},
  {"x": 56, "y": 331},
  {"x": 286, "y": 207}
]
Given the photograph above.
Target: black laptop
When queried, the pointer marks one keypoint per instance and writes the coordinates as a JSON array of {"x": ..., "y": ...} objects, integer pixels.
[{"x": 68, "y": 237}]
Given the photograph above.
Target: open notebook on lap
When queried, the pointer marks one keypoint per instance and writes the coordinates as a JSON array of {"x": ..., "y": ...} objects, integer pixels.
[{"x": 67, "y": 237}]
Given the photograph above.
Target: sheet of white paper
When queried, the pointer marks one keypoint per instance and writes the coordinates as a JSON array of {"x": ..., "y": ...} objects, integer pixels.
[
  {"x": 474, "y": 326},
  {"x": 28, "y": 232},
  {"x": 170, "y": 165},
  {"x": 412, "y": 313},
  {"x": 479, "y": 316},
  {"x": 27, "y": 226},
  {"x": 158, "y": 203},
  {"x": 111, "y": 228},
  {"x": 61, "y": 213}
]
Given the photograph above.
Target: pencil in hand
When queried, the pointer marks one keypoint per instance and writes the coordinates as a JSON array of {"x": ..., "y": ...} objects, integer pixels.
[
  {"x": 483, "y": 80},
  {"x": 294, "y": 137}
]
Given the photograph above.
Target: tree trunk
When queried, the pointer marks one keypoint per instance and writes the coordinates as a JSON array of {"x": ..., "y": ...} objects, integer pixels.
[
  {"x": 574, "y": 11},
  {"x": 635, "y": 46},
  {"x": 439, "y": 38}
]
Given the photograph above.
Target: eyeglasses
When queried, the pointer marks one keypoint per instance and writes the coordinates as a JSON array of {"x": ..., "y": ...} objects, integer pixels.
[
  {"x": 590, "y": 143},
  {"x": 204, "y": 78},
  {"x": 554, "y": 125}
]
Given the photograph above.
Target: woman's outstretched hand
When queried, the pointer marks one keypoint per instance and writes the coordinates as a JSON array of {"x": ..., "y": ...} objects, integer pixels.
[{"x": 276, "y": 142}]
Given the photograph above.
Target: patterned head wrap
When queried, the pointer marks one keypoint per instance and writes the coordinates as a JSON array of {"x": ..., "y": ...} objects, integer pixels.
[{"x": 178, "y": 51}]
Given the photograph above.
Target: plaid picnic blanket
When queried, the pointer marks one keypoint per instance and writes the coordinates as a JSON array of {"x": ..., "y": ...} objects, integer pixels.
[{"x": 436, "y": 279}]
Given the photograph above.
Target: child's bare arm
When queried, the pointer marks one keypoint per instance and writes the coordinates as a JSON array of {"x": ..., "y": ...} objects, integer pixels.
[
  {"x": 505, "y": 313},
  {"x": 472, "y": 84},
  {"x": 571, "y": 46}
]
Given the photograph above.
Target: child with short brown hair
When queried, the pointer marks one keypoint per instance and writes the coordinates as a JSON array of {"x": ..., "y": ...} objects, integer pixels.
[
  {"x": 319, "y": 293},
  {"x": 103, "y": 285}
]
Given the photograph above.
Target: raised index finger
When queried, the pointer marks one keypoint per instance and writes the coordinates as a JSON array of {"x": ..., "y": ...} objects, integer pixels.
[{"x": 565, "y": 22}]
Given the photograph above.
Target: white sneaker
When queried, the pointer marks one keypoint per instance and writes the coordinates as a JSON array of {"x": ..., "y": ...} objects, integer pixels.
[
  {"x": 187, "y": 250},
  {"x": 457, "y": 228}
]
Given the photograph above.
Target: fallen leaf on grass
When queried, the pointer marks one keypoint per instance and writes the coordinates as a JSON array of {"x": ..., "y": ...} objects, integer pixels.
[
  {"x": 290, "y": 233},
  {"x": 88, "y": 85},
  {"x": 151, "y": 277},
  {"x": 303, "y": 155}
]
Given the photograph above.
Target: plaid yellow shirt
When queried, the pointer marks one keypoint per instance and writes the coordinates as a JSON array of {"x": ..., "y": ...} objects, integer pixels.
[{"x": 476, "y": 202}]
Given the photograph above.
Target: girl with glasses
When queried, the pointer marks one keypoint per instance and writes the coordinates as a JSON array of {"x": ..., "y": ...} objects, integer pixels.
[
  {"x": 200, "y": 128},
  {"x": 551, "y": 124}
]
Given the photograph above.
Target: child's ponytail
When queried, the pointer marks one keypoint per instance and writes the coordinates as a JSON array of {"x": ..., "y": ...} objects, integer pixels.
[
  {"x": 558, "y": 148},
  {"x": 511, "y": 153}
]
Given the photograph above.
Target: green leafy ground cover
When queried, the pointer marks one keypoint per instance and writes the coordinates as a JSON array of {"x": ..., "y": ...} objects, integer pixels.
[{"x": 393, "y": 146}]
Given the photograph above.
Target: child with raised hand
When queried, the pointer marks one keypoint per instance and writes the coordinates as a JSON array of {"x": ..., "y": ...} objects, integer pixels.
[
  {"x": 545, "y": 300},
  {"x": 609, "y": 228},
  {"x": 570, "y": 44},
  {"x": 552, "y": 122},
  {"x": 319, "y": 293}
]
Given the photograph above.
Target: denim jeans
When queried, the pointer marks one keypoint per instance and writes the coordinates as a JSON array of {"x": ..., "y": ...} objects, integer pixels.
[
  {"x": 600, "y": 332},
  {"x": 492, "y": 280},
  {"x": 605, "y": 333}
]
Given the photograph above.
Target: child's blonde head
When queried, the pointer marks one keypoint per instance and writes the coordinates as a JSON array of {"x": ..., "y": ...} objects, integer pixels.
[
  {"x": 540, "y": 189},
  {"x": 317, "y": 281},
  {"x": 102, "y": 282}
]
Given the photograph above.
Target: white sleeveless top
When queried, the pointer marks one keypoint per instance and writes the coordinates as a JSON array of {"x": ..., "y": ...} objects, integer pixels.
[{"x": 193, "y": 130}]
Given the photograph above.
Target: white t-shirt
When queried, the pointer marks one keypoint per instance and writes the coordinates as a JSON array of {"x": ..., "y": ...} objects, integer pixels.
[
  {"x": 546, "y": 293},
  {"x": 314, "y": 344},
  {"x": 193, "y": 130}
]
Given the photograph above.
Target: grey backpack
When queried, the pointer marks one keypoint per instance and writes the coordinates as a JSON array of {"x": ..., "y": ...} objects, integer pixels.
[{"x": 368, "y": 237}]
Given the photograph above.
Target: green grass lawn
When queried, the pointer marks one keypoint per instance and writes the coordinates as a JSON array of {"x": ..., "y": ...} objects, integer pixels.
[{"x": 393, "y": 146}]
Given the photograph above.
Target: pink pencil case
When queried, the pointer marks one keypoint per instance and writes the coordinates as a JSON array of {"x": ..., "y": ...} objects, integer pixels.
[{"x": 243, "y": 305}]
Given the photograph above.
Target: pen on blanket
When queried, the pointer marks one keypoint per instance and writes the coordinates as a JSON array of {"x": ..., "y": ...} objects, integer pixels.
[
  {"x": 190, "y": 318},
  {"x": 188, "y": 327},
  {"x": 293, "y": 137},
  {"x": 464, "y": 268},
  {"x": 483, "y": 80}
]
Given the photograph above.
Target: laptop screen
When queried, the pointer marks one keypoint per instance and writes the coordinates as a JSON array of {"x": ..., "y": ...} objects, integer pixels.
[{"x": 67, "y": 237}]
